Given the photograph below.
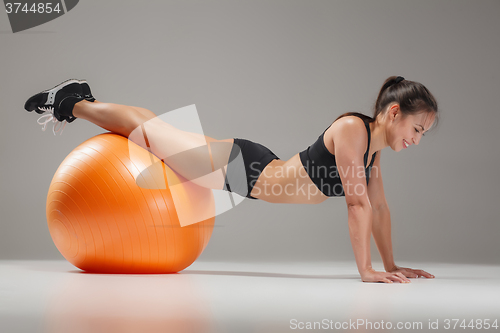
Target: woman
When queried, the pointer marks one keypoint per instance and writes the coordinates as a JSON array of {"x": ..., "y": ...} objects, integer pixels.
[{"x": 344, "y": 161}]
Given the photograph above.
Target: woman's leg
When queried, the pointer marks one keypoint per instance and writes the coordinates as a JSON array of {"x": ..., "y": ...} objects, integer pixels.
[
  {"x": 191, "y": 155},
  {"x": 150, "y": 115}
]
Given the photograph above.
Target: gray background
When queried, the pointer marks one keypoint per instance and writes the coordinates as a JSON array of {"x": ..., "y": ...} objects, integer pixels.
[{"x": 278, "y": 73}]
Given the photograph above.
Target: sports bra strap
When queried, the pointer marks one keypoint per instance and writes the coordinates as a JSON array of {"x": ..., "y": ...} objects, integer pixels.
[{"x": 367, "y": 125}]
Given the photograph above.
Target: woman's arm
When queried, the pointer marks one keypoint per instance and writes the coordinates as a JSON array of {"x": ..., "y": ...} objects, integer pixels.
[
  {"x": 350, "y": 139},
  {"x": 381, "y": 230},
  {"x": 360, "y": 221},
  {"x": 381, "y": 226}
]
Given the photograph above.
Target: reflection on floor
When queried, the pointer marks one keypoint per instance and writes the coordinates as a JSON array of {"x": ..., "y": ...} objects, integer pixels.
[{"x": 54, "y": 296}]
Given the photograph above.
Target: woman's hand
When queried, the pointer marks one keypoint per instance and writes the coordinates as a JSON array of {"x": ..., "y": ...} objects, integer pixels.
[
  {"x": 373, "y": 276},
  {"x": 411, "y": 273}
]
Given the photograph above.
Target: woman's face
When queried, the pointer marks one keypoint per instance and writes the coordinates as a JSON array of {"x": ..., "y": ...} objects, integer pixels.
[{"x": 407, "y": 131}]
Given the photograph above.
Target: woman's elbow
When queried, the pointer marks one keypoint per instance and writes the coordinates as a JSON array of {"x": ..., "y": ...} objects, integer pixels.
[
  {"x": 357, "y": 199},
  {"x": 358, "y": 204}
]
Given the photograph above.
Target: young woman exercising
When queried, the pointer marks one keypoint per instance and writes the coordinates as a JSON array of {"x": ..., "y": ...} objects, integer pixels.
[{"x": 344, "y": 161}]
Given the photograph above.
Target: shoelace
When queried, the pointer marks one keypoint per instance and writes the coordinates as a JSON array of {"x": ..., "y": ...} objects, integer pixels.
[{"x": 49, "y": 117}]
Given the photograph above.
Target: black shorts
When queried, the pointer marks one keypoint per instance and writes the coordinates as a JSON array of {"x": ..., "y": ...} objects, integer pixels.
[{"x": 244, "y": 169}]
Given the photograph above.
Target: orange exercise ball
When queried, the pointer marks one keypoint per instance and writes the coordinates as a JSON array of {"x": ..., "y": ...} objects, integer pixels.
[{"x": 102, "y": 221}]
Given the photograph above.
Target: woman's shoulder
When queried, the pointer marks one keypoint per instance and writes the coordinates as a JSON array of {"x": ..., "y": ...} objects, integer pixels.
[
  {"x": 348, "y": 132},
  {"x": 348, "y": 127},
  {"x": 347, "y": 120}
]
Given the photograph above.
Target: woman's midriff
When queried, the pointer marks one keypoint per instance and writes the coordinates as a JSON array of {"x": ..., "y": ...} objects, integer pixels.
[{"x": 287, "y": 182}]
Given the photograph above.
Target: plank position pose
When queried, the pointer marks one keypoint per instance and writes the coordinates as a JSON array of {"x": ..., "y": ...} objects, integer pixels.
[{"x": 344, "y": 161}]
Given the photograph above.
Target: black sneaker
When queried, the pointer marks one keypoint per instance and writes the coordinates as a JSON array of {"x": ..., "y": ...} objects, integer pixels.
[
  {"x": 87, "y": 94},
  {"x": 57, "y": 102}
]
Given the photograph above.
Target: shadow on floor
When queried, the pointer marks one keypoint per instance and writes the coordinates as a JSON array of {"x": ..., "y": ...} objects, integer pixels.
[{"x": 273, "y": 275}]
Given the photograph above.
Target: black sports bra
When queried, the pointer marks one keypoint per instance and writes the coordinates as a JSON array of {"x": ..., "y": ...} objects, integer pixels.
[{"x": 321, "y": 166}]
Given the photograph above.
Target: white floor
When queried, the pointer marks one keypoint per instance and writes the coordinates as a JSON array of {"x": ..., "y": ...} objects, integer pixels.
[{"x": 54, "y": 296}]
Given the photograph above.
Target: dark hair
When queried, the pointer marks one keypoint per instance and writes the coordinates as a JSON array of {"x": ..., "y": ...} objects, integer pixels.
[{"x": 412, "y": 97}]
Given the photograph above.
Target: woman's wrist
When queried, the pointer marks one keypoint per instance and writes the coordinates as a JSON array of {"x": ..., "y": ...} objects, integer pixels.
[
  {"x": 391, "y": 267},
  {"x": 364, "y": 271}
]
